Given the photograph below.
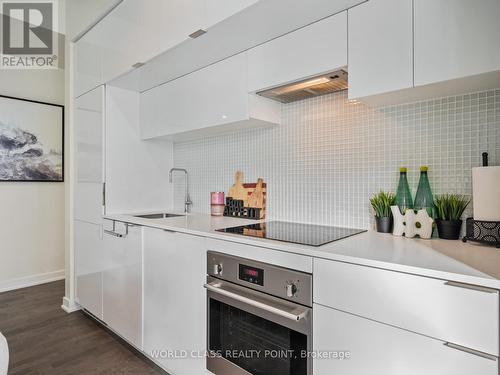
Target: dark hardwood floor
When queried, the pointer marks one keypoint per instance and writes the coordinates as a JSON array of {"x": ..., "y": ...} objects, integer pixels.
[{"x": 43, "y": 339}]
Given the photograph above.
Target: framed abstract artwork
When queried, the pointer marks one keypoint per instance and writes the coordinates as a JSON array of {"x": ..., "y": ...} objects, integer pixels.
[{"x": 31, "y": 140}]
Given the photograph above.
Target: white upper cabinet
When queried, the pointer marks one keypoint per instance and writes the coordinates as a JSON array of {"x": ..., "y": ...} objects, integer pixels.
[
  {"x": 88, "y": 70},
  {"x": 455, "y": 38},
  {"x": 219, "y": 10},
  {"x": 134, "y": 32},
  {"x": 127, "y": 156},
  {"x": 380, "y": 47},
  {"x": 178, "y": 19},
  {"x": 210, "y": 99},
  {"x": 312, "y": 50}
]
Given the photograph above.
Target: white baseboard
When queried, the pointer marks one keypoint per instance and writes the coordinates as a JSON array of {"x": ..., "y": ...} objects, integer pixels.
[
  {"x": 28, "y": 281},
  {"x": 69, "y": 305}
]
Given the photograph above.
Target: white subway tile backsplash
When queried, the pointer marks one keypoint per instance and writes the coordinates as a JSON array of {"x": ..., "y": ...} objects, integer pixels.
[{"x": 329, "y": 155}]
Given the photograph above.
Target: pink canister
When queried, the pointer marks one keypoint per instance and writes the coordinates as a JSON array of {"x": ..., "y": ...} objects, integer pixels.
[
  {"x": 217, "y": 197},
  {"x": 217, "y": 203}
]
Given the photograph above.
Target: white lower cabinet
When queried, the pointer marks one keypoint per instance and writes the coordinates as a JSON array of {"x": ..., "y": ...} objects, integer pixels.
[
  {"x": 88, "y": 266},
  {"x": 175, "y": 301},
  {"x": 122, "y": 283},
  {"x": 454, "y": 312},
  {"x": 379, "y": 349},
  {"x": 109, "y": 276}
]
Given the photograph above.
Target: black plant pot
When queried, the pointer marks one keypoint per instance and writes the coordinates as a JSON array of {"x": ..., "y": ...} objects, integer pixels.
[
  {"x": 449, "y": 229},
  {"x": 384, "y": 224}
]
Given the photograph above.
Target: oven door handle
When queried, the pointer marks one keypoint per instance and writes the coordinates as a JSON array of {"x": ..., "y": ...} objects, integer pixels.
[{"x": 217, "y": 289}]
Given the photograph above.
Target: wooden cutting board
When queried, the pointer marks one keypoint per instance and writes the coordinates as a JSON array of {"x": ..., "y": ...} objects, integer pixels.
[
  {"x": 238, "y": 191},
  {"x": 253, "y": 195}
]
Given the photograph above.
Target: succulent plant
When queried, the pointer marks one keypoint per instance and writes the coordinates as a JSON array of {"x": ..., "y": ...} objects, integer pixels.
[
  {"x": 450, "y": 206},
  {"x": 382, "y": 203}
]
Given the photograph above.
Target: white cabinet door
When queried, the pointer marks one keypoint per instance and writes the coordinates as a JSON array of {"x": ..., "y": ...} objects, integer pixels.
[
  {"x": 219, "y": 10},
  {"x": 312, "y": 50},
  {"x": 380, "y": 47},
  {"x": 88, "y": 69},
  {"x": 138, "y": 30},
  {"x": 175, "y": 300},
  {"x": 122, "y": 284},
  {"x": 132, "y": 164},
  {"x": 89, "y": 140},
  {"x": 135, "y": 31},
  {"x": 88, "y": 266},
  {"x": 379, "y": 349},
  {"x": 455, "y": 38},
  {"x": 432, "y": 307},
  {"x": 212, "y": 96},
  {"x": 181, "y": 18}
]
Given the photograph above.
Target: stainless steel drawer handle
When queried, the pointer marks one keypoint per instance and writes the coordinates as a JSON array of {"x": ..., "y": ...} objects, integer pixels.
[
  {"x": 470, "y": 351},
  {"x": 471, "y": 287},
  {"x": 260, "y": 305},
  {"x": 114, "y": 234}
]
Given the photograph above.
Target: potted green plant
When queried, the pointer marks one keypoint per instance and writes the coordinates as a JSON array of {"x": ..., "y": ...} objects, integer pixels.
[
  {"x": 381, "y": 204},
  {"x": 449, "y": 210}
]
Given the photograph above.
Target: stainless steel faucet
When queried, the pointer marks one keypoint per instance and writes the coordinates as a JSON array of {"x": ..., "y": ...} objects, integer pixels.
[{"x": 187, "y": 200}]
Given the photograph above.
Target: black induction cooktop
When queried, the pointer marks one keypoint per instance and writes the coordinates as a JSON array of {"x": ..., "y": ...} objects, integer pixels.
[{"x": 304, "y": 234}]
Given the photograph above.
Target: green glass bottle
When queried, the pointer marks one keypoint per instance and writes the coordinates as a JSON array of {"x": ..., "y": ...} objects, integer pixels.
[
  {"x": 403, "y": 194},
  {"x": 424, "y": 198}
]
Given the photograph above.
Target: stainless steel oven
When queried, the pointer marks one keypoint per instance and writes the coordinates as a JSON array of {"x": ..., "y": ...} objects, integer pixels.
[{"x": 259, "y": 318}]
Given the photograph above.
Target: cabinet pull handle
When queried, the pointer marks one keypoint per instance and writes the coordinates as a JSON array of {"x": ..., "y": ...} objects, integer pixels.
[
  {"x": 471, "y": 287},
  {"x": 470, "y": 351},
  {"x": 114, "y": 234}
]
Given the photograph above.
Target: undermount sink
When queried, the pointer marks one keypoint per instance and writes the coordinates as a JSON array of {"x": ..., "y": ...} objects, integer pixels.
[{"x": 157, "y": 216}]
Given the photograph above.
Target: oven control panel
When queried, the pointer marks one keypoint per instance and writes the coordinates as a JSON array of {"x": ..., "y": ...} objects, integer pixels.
[
  {"x": 274, "y": 280},
  {"x": 250, "y": 274}
]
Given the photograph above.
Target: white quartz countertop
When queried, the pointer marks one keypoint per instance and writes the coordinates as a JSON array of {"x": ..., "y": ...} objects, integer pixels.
[{"x": 448, "y": 260}]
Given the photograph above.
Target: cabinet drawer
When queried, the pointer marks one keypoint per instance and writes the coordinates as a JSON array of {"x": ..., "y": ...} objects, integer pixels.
[
  {"x": 379, "y": 349},
  {"x": 436, "y": 308}
]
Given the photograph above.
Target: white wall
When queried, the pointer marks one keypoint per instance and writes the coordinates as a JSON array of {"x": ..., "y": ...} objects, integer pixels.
[{"x": 31, "y": 213}]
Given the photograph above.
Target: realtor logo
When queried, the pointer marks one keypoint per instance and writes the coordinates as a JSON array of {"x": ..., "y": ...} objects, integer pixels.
[
  {"x": 27, "y": 28},
  {"x": 29, "y": 34}
]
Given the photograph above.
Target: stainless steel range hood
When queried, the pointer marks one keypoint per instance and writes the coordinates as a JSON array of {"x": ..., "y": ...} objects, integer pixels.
[{"x": 308, "y": 88}]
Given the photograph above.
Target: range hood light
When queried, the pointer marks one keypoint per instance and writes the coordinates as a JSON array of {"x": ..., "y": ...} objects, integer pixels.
[
  {"x": 309, "y": 88},
  {"x": 301, "y": 85}
]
